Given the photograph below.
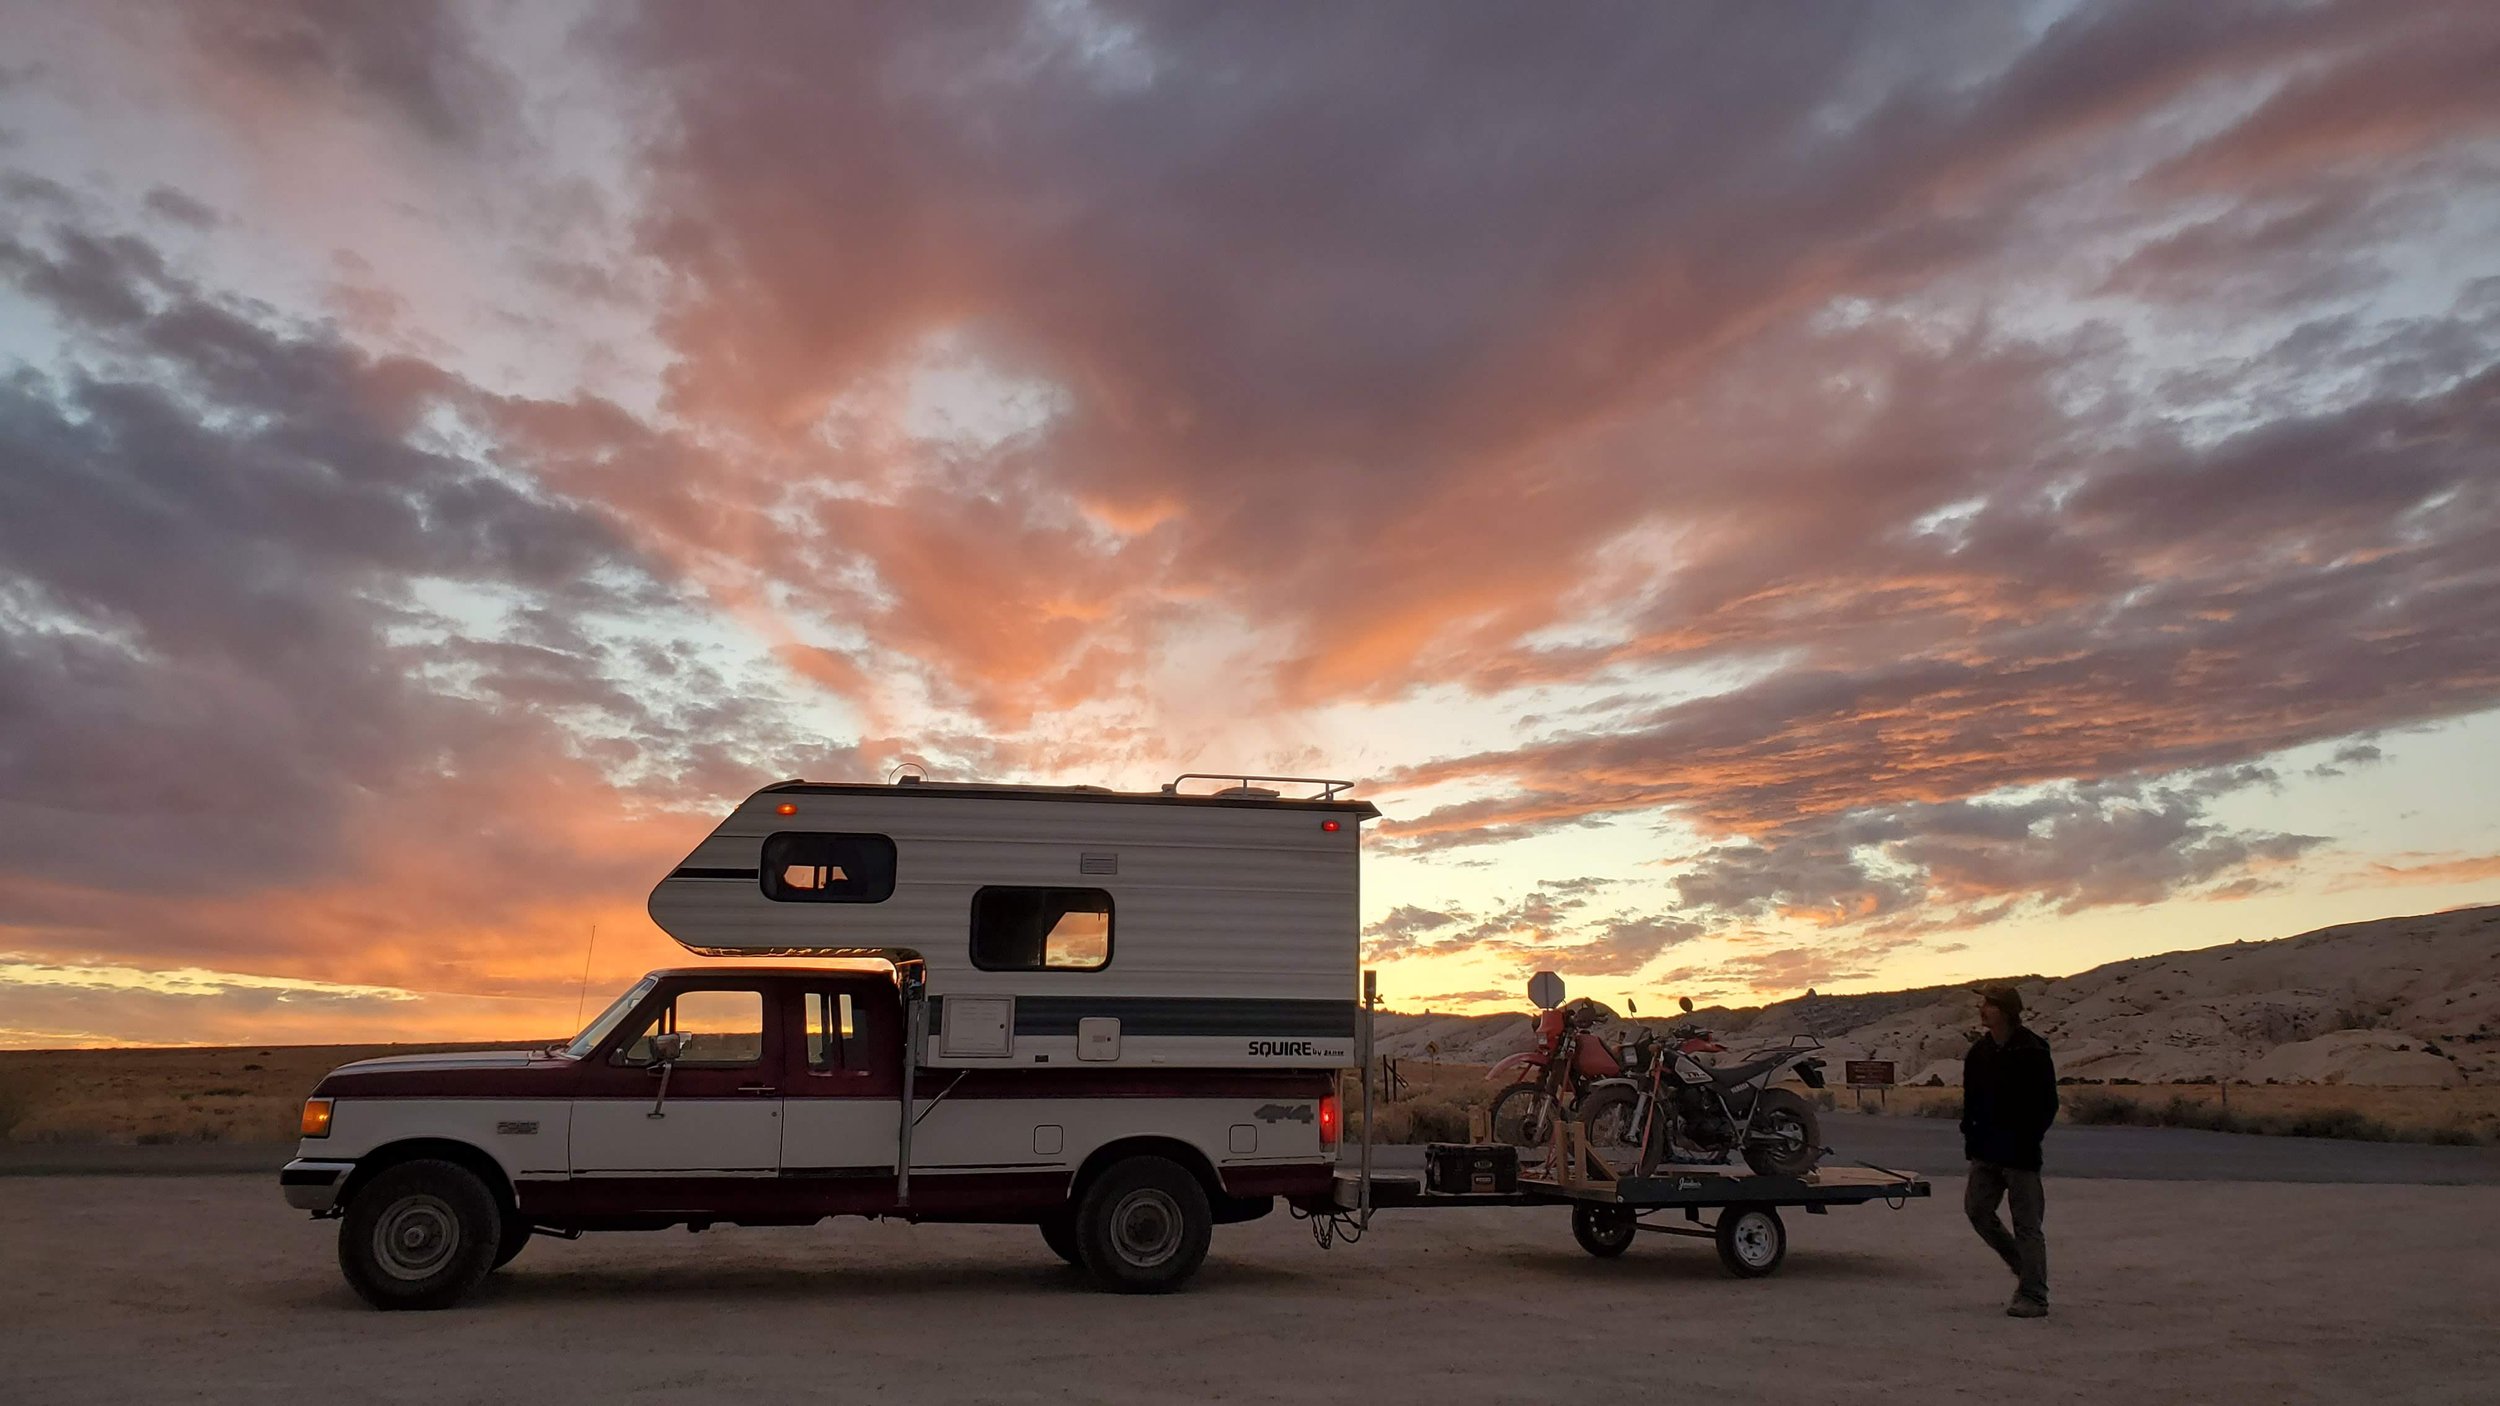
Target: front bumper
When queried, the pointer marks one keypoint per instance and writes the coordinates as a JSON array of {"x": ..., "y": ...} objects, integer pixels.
[{"x": 313, "y": 1185}]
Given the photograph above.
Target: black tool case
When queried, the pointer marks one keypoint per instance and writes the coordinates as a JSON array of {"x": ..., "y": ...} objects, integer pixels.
[{"x": 1459, "y": 1168}]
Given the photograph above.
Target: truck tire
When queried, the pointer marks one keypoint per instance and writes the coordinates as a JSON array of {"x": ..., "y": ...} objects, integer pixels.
[
  {"x": 1143, "y": 1226},
  {"x": 1752, "y": 1241},
  {"x": 1059, "y": 1233},
  {"x": 419, "y": 1235},
  {"x": 517, "y": 1235},
  {"x": 1603, "y": 1231},
  {"x": 1786, "y": 1138}
]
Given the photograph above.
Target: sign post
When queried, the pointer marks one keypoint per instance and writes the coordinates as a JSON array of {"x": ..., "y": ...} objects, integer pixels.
[{"x": 1876, "y": 1074}]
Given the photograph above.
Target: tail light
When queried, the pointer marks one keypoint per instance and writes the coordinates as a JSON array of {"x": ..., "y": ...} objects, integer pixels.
[
  {"x": 1328, "y": 1120},
  {"x": 316, "y": 1117}
]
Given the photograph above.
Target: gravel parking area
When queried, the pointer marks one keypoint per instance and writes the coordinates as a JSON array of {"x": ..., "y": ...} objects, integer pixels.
[{"x": 140, "y": 1289}]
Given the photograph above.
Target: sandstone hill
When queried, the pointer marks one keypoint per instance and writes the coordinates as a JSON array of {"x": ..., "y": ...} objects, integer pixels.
[{"x": 2398, "y": 1001}]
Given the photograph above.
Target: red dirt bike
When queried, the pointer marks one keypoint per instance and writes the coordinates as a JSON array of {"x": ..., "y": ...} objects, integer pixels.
[
  {"x": 1671, "y": 1107},
  {"x": 1553, "y": 1078}
]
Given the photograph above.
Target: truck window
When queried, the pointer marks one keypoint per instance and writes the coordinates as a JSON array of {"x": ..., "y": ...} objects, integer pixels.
[
  {"x": 819, "y": 866},
  {"x": 829, "y": 1028},
  {"x": 724, "y": 1028},
  {"x": 1041, "y": 929}
]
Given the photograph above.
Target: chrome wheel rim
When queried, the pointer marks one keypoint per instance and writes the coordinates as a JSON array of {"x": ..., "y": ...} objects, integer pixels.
[
  {"x": 1146, "y": 1227},
  {"x": 416, "y": 1237},
  {"x": 1754, "y": 1242}
]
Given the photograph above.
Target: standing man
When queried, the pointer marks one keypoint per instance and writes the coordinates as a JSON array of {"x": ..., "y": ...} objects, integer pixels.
[{"x": 2009, "y": 1098}]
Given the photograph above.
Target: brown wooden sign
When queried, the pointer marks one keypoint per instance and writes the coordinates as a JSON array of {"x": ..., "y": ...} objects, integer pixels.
[{"x": 1867, "y": 1073}]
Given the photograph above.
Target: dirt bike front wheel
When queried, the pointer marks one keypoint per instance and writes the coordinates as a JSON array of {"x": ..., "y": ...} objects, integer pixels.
[{"x": 1523, "y": 1115}]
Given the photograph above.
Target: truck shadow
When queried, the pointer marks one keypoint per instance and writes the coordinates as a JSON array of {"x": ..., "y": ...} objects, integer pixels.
[
  {"x": 1697, "y": 1262},
  {"x": 831, "y": 1284}
]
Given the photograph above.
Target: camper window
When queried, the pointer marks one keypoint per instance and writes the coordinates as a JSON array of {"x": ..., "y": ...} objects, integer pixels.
[
  {"x": 814, "y": 866},
  {"x": 1038, "y": 929}
]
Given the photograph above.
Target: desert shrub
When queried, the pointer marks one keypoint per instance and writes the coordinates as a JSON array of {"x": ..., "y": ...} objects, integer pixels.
[
  {"x": 1825, "y": 1098},
  {"x": 2103, "y": 1108},
  {"x": 2196, "y": 1113},
  {"x": 1938, "y": 1108},
  {"x": 2349, "y": 1123},
  {"x": 2358, "y": 1018},
  {"x": 16, "y": 1105},
  {"x": 2455, "y": 1135}
]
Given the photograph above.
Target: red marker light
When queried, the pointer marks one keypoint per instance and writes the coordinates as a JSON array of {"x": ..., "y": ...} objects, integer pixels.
[
  {"x": 785, "y": 808},
  {"x": 1329, "y": 825},
  {"x": 1328, "y": 1120}
]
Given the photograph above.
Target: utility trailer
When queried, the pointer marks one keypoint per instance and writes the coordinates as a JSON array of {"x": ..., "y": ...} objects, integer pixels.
[
  {"x": 1744, "y": 1208},
  {"x": 1608, "y": 1208}
]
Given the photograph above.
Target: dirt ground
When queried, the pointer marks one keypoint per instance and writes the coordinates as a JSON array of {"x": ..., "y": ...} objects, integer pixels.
[{"x": 138, "y": 1289}]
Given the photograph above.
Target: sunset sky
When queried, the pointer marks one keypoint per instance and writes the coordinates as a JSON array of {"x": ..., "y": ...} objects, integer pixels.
[{"x": 1847, "y": 496}]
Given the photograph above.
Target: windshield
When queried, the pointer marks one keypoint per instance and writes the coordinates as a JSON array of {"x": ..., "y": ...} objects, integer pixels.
[{"x": 598, "y": 1029}]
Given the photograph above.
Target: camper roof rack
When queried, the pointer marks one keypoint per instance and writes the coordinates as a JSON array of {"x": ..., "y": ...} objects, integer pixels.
[{"x": 1243, "y": 784}]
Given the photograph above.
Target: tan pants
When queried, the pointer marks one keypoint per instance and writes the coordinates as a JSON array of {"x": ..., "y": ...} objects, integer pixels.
[{"x": 2026, "y": 1250}]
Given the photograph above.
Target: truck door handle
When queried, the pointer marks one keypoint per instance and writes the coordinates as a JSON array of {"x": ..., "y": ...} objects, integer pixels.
[{"x": 757, "y": 1089}]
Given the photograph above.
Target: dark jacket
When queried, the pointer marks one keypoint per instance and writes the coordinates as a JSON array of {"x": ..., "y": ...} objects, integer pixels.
[{"x": 2009, "y": 1098}]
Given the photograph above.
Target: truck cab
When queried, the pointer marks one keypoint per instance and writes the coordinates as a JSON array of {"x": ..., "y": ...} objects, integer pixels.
[{"x": 782, "y": 1095}]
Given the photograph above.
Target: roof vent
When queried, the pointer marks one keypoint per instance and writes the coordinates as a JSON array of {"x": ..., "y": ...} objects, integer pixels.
[{"x": 1248, "y": 793}]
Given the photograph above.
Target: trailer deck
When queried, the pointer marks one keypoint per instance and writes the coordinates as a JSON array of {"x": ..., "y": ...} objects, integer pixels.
[{"x": 1607, "y": 1211}]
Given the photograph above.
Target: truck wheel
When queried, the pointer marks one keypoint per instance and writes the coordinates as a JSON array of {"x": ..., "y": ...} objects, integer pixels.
[
  {"x": 516, "y": 1238},
  {"x": 1143, "y": 1226},
  {"x": 1752, "y": 1242},
  {"x": 419, "y": 1235},
  {"x": 1059, "y": 1233},
  {"x": 1603, "y": 1231},
  {"x": 1785, "y": 1139}
]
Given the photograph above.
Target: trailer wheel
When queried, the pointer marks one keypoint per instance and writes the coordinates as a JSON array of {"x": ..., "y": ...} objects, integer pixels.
[
  {"x": 517, "y": 1235},
  {"x": 1752, "y": 1242},
  {"x": 1143, "y": 1226},
  {"x": 1603, "y": 1231},
  {"x": 1059, "y": 1233},
  {"x": 419, "y": 1235}
]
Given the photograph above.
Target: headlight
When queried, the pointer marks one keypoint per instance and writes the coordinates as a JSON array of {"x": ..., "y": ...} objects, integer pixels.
[{"x": 316, "y": 1117}]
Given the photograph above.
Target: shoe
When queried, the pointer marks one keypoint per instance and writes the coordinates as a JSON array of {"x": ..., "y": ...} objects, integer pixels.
[{"x": 2026, "y": 1308}]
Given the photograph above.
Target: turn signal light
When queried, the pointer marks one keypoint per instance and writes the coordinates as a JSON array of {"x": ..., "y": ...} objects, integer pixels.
[
  {"x": 316, "y": 1117},
  {"x": 1328, "y": 1120}
]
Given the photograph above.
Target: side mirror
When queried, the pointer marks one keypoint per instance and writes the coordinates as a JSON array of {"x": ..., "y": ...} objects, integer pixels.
[
  {"x": 668, "y": 1049},
  {"x": 1632, "y": 1006},
  {"x": 1686, "y": 1003}
]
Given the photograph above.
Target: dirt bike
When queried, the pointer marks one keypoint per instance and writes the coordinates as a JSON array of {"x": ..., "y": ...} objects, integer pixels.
[
  {"x": 1552, "y": 1078},
  {"x": 1671, "y": 1107}
]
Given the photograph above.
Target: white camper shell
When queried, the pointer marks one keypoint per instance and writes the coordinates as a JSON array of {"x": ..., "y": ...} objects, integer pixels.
[{"x": 1058, "y": 925}]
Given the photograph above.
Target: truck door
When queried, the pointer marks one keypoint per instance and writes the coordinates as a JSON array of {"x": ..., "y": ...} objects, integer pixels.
[
  {"x": 842, "y": 1104},
  {"x": 721, "y": 1113}
]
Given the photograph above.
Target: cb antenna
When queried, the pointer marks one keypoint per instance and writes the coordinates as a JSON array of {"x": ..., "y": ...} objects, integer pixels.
[{"x": 582, "y": 993}]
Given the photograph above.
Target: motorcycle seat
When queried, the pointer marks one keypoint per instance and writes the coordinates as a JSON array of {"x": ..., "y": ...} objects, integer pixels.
[{"x": 1734, "y": 1074}]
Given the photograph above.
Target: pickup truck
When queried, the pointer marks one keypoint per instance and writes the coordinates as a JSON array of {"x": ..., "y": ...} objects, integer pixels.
[{"x": 775, "y": 1096}]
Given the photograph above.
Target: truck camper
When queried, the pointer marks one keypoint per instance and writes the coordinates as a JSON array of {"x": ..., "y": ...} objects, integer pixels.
[{"x": 1117, "y": 1016}]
